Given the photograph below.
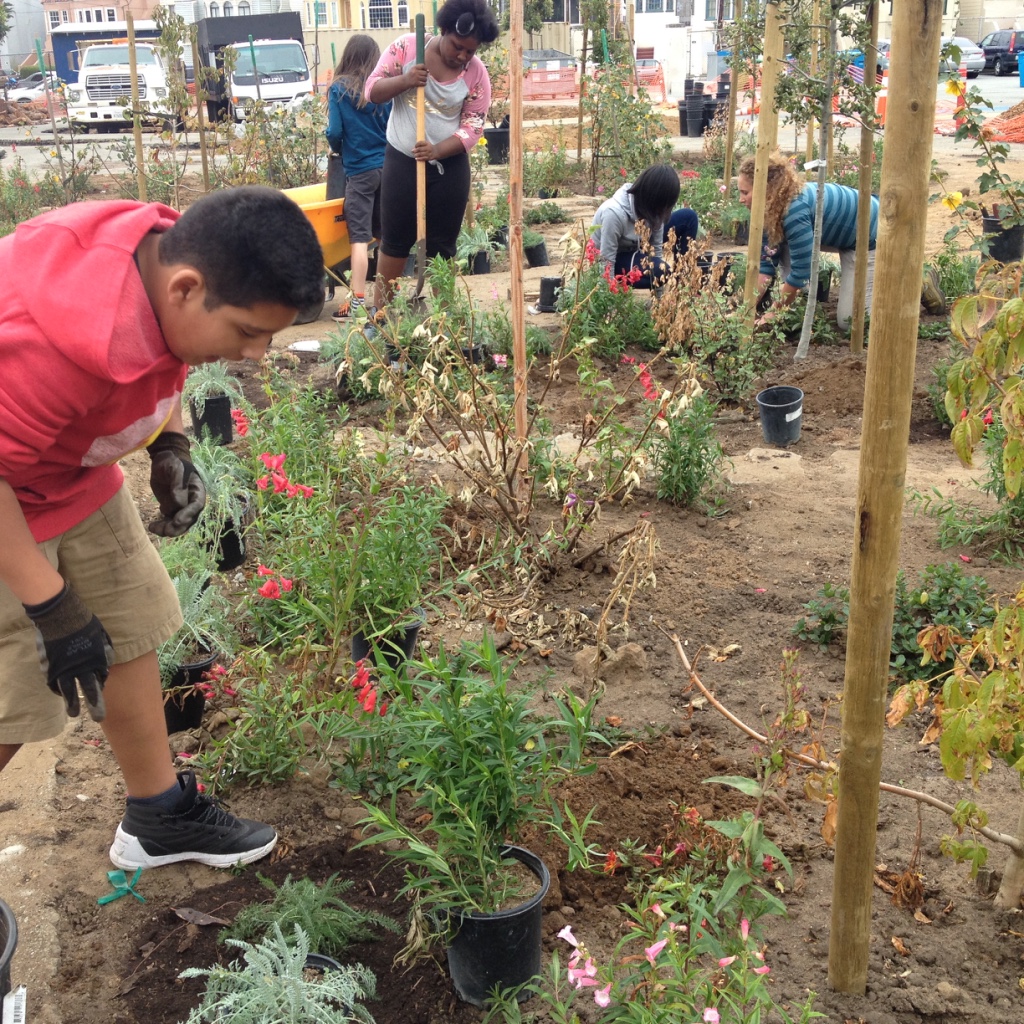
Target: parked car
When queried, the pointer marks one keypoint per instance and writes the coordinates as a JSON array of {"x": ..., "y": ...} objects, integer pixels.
[
  {"x": 971, "y": 55},
  {"x": 27, "y": 93},
  {"x": 36, "y": 78},
  {"x": 1001, "y": 49}
]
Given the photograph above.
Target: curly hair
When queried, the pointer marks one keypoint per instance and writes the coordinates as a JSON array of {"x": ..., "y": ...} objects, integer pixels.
[
  {"x": 468, "y": 18},
  {"x": 784, "y": 185}
]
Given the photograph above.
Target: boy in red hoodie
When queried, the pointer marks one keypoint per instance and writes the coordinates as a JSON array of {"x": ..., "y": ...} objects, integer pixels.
[{"x": 84, "y": 598}]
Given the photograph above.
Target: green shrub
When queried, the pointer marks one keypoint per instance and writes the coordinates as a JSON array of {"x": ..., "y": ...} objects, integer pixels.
[{"x": 688, "y": 457}]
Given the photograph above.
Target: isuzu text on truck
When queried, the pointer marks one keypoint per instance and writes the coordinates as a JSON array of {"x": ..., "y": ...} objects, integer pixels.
[{"x": 102, "y": 96}]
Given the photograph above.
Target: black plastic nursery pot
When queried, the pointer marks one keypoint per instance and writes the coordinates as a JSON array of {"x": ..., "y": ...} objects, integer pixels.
[
  {"x": 547, "y": 193},
  {"x": 232, "y": 550},
  {"x": 474, "y": 353},
  {"x": 537, "y": 255},
  {"x": 781, "y": 409},
  {"x": 1005, "y": 244},
  {"x": 8, "y": 944},
  {"x": 497, "y": 145},
  {"x": 395, "y": 648},
  {"x": 184, "y": 704},
  {"x": 320, "y": 963},
  {"x": 548, "y": 299},
  {"x": 500, "y": 948},
  {"x": 824, "y": 285},
  {"x": 215, "y": 420},
  {"x": 480, "y": 263},
  {"x": 695, "y": 115}
]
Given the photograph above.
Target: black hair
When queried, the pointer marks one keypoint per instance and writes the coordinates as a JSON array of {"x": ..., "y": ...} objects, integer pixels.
[
  {"x": 251, "y": 244},
  {"x": 655, "y": 193},
  {"x": 469, "y": 18}
]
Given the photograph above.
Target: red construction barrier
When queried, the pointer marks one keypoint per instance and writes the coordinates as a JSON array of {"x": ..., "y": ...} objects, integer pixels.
[
  {"x": 650, "y": 74},
  {"x": 543, "y": 84}
]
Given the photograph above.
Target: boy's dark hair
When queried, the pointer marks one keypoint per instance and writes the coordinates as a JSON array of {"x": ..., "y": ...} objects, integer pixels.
[
  {"x": 655, "y": 193},
  {"x": 251, "y": 244},
  {"x": 356, "y": 65},
  {"x": 480, "y": 23}
]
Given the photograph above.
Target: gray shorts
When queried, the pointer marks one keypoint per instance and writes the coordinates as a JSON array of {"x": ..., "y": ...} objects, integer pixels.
[
  {"x": 116, "y": 570},
  {"x": 362, "y": 206}
]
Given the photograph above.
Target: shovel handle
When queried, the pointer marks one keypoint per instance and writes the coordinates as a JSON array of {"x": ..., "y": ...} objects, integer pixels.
[{"x": 421, "y": 135}]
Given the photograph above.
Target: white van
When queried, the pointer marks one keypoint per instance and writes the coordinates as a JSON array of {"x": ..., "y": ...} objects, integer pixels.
[{"x": 283, "y": 75}]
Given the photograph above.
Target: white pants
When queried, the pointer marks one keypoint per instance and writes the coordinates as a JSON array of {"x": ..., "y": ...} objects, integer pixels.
[{"x": 847, "y": 259}]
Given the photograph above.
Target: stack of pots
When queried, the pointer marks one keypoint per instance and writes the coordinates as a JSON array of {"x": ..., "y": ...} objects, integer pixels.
[{"x": 695, "y": 111}]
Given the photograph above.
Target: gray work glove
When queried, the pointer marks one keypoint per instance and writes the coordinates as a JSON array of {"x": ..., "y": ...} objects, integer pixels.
[
  {"x": 74, "y": 650},
  {"x": 176, "y": 485}
]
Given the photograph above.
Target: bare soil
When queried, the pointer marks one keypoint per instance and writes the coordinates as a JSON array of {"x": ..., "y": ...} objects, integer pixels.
[{"x": 741, "y": 578}]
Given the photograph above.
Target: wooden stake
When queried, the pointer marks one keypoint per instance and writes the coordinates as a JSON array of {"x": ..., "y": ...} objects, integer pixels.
[
  {"x": 140, "y": 160},
  {"x": 583, "y": 93},
  {"x": 200, "y": 109},
  {"x": 910, "y": 124},
  {"x": 730, "y": 131},
  {"x": 767, "y": 136},
  {"x": 813, "y": 69},
  {"x": 515, "y": 239},
  {"x": 867, "y": 153}
]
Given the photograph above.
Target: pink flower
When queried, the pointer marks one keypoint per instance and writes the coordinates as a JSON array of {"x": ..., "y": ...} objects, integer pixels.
[
  {"x": 280, "y": 482},
  {"x": 500, "y": 360},
  {"x": 744, "y": 929},
  {"x": 567, "y": 935},
  {"x": 273, "y": 462},
  {"x": 965, "y": 558},
  {"x": 762, "y": 970},
  {"x": 304, "y": 490},
  {"x": 726, "y": 960},
  {"x": 286, "y": 584},
  {"x": 270, "y": 589},
  {"x": 262, "y": 482},
  {"x": 651, "y": 952},
  {"x": 710, "y": 1016},
  {"x": 262, "y": 570},
  {"x": 603, "y": 996},
  {"x": 230, "y": 692},
  {"x": 383, "y": 709}
]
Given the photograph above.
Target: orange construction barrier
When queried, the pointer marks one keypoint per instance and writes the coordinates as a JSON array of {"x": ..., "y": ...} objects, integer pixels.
[
  {"x": 541, "y": 84},
  {"x": 882, "y": 99}
]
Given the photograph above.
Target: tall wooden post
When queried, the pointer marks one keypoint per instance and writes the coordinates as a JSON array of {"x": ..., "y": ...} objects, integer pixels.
[
  {"x": 867, "y": 153},
  {"x": 730, "y": 131},
  {"x": 515, "y": 238},
  {"x": 767, "y": 138},
  {"x": 910, "y": 121},
  {"x": 583, "y": 93},
  {"x": 200, "y": 108},
  {"x": 133, "y": 70}
]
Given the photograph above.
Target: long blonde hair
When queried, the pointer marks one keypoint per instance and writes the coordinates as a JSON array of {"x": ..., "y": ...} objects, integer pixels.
[
  {"x": 356, "y": 65},
  {"x": 784, "y": 185}
]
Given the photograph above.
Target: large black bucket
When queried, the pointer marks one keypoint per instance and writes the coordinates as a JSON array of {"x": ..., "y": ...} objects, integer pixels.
[
  {"x": 695, "y": 115},
  {"x": 215, "y": 419},
  {"x": 501, "y": 948},
  {"x": 548, "y": 300},
  {"x": 1005, "y": 244},
  {"x": 395, "y": 648},
  {"x": 781, "y": 411}
]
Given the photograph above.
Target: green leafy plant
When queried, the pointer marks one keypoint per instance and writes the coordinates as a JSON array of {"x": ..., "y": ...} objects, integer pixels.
[
  {"x": 209, "y": 380},
  {"x": 480, "y": 764},
  {"x": 957, "y": 270},
  {"x": 229, "y": 490},
  {"x": 546, "y": 212},
  {"x": 473, "y": 240},
  {"x": 531, "y": 238},
  {"x": 826, "y": 616},
  {"x": 271, "y": 985},
  {"x": 330, "y": 924},
  {"x": 688, "y": 457}
]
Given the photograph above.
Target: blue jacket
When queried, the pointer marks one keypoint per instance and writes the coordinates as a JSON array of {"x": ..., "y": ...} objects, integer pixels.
[
  {"x": 359, "y": 134},
  {"x": 838, "y": 228}
]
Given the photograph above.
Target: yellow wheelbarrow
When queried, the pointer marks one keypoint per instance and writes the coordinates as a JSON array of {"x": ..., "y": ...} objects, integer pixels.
[{"x": 328, "y": 219}]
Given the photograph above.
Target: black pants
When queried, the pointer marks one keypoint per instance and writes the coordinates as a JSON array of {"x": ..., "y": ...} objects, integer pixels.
[{"x": 447, "y": 195}]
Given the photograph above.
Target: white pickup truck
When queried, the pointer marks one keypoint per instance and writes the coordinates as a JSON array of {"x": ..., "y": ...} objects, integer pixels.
[{"x": 102, "y": 97}]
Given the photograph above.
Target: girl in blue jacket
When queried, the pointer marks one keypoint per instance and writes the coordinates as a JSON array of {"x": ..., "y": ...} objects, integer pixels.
[{"x": 356, "y": 129}]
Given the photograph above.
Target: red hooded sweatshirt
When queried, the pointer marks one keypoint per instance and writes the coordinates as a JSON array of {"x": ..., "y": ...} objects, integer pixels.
[{"x": 85, "y": 373}]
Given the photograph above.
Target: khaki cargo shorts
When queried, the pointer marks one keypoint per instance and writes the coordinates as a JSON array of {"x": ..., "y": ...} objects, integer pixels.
[{"x": 116, "y": 570}]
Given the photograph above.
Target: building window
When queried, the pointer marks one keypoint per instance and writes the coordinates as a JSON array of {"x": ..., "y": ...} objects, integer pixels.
[
  {"x": 228, "y": 9},
  {"x": 381, "y": 15},
  {"x": 214, "y": 11},
  {"x": 711, "y": 10},
  {"x": 669, "y": 6},
  {"x": 98, "y": 14},
  {"x": 111, "y": 14},
  {"x": 54, "y": 18},
  {"x": 244, "y": 10},
  {"x": 65, "y": 16},
  {"x": 655, "y": 6},
  {"x": 403, "y": 12},
  {"x": 334, "y": 14}
]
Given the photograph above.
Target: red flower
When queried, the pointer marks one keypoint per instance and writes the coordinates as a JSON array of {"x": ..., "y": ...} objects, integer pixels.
[
  {"x": 654, "y": 858},
  {"x": 382, "y": 710},
  {"x": 768, "y": 864},
  {"x": 262, "y": 482},
  {"x": 280, "y": 482},
  {"x": 622, "y": 171},
  {"x": 262, "y": 570},
  {"x": 286, "y": 584},
  {"x": 273, "y": 462},
  {"x": 987, "y": 418},
  {"x": 270, "y": 589},
  {"x": 611, "y": 862}
]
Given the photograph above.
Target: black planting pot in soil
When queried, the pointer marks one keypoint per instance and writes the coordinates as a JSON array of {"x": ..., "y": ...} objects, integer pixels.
[
  {"x": 395, "y": 648},
  {"x": 824, "y": 285},
  {"x": 547, "y": 193},
  {"x": 183, "y": 703},
  {"x": 480, "y": 263},
  {"x": 497, "y": 144},
  {"x": 319, "y": 962},
  {"x": 8, "y": 944},
  {"x": 474, "y": 354},
  {"x": 537, "y": 255},
  {"x": 547, "y": 302},
  {"x": 216, "y": 419},
  {"x": 499, "y": 236},
  {"x": 1005, "y": 244},
  {"x": 231, "y": 553},
  {"x": 500, "y": 948}
]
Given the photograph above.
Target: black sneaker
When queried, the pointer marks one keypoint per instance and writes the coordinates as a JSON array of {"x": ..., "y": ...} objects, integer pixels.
[{"x": 202, "y": 831}]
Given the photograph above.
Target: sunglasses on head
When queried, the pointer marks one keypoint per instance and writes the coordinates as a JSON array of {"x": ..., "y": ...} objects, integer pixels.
[{"x": 465, "y": 24}]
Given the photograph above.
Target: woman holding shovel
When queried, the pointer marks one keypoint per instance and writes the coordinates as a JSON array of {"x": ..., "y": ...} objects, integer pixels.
[{"x": 456, "y": 91}]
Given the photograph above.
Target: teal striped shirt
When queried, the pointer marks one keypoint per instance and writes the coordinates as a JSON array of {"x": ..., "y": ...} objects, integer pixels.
[{"x": 838, "y": 230}]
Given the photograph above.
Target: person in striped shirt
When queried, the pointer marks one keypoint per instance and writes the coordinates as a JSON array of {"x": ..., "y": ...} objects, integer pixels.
[{"x": 789, "y": 217}]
